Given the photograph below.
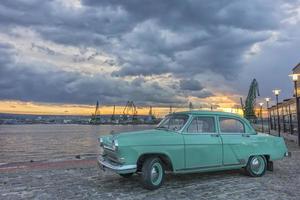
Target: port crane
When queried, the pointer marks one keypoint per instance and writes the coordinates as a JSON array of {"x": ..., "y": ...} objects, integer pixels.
[
  {"x": 113, "y": 118},
  {"x": 150, "y": 111},
  {"x": 191, "y": 107},
  {"x": 170, "y": 110},
  {"x": 151, "y": 117},
  {"x": 96, "y": 115},
  {"x": 130, "y": 110}
]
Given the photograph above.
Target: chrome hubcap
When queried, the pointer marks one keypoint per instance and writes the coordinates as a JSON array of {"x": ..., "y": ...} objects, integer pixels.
[
  {"x": 255, "y": 164},
  {"x": 154, "y": 174}
]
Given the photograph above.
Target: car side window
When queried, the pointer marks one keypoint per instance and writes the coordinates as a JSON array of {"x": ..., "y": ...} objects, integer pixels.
[
  {"x": 193, "y": 127},
  {"x": 230, "y": 125},
  {"x": 176, "y": 123},
  {"x": 202, "y": 125}
]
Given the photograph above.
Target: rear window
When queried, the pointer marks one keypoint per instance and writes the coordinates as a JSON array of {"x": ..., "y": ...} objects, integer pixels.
[{"x": 231, "y": 125}]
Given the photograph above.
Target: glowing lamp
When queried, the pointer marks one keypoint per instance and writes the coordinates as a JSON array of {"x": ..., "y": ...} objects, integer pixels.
[
  {"x": 276, "y": 92},
  {"x": 294, "y": 76},
  {"x": 267, "y": 99}
]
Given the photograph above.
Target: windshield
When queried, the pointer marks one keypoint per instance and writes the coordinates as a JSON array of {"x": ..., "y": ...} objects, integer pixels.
[{"x": 173, "y": 122}]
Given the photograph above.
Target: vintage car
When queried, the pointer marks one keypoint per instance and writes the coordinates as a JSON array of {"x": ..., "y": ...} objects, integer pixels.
[{"x": 195, "y": 141}]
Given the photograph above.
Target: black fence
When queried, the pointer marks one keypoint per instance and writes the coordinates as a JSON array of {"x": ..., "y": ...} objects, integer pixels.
[{"x": 287, "y": 118}]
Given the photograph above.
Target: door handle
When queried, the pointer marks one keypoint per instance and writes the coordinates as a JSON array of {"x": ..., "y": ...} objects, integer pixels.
[
  {"x": 246, "y": 135},
  {"x": 214, "y": 135}
]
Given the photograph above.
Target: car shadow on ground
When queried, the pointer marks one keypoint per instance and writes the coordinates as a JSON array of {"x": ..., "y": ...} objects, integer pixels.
[{"x": 114, "y": 182}]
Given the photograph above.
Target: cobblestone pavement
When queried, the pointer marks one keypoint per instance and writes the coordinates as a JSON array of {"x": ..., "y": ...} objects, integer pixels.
[{"x": 87, "y": 182}]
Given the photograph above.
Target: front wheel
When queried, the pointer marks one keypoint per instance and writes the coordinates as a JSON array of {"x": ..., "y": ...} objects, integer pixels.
[
  {"x": 153, "y": 173},
  {"x": 256, "y": 166}
]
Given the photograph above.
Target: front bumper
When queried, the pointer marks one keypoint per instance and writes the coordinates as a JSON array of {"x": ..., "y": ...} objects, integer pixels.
[{"x": 120, "y": 169}]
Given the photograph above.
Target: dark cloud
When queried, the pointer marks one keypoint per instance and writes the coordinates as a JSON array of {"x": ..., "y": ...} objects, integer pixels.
[
  {"x": 27, "y": 83},
  {"x": 5, "y": 54},
  {"x": 245, "y": 14},
  {"x": 143, "y": 39},
  {"x": 190, "y": 85},
  {"x": 182, "y": 37},
  {"x": 202, "y": 94},
  {"x": 42, "y": 49},
  {"x": 191, "y": 37}
]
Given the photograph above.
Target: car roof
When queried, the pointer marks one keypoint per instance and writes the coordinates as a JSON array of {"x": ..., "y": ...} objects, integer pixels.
[{"x": 206, "y": 112}]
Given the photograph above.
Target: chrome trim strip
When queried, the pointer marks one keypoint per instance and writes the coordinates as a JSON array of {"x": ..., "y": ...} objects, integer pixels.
[
  {"x": 208, "y": 167},
  {"x": 108, "y": 147},
  {"x": 198, "y": 168},
  {"x": 118, "y": 168}
]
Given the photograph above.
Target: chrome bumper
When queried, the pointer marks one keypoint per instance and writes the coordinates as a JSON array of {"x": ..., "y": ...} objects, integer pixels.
[{"x": 120, "y": 169}]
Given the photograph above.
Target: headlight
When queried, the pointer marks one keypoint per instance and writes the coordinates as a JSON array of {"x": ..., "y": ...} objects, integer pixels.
[
  {"x": 100, "y": 141},
  {"x": 115, "y": 145}
]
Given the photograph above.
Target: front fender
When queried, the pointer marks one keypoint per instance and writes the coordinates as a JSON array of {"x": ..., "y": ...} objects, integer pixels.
[{"x": 175, "y": 153}]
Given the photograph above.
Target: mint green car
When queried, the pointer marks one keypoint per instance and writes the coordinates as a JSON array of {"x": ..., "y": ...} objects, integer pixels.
[{"x": 195, "y": 141}]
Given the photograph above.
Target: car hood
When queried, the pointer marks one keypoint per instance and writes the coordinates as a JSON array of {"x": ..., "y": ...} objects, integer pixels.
[
  {"x": 138, "y": 133},
  {"x": 145, "y": 137}
]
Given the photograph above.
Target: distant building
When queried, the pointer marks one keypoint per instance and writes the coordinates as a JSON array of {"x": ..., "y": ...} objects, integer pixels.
[
  {"x": 296, "y": 70},
  {"x": 287, "y": 111},
  {"x": 287, "y": 116}
]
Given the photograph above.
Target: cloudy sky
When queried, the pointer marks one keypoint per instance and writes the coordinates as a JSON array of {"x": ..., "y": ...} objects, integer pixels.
[{"x": 161, "y": 53}]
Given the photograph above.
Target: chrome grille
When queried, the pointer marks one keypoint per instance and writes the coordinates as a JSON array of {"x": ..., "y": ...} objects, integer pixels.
[{"x": 110, "y": 155}]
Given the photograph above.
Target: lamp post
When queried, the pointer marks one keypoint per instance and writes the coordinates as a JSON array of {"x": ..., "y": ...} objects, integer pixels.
[
  {"x": 277, "y": 92},
  {"x": 295, "y": 79},
  {"x": 261, "y": 117},
  {"x": 269, "y": 123}
]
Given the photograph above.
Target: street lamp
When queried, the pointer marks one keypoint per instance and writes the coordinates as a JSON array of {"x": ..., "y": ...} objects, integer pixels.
[
  {"x": 261, "y": 117},
  {"x": 277, "y": 92},
  {"x": 295, "y": 79},
  {"x": 269, "y": 122}
]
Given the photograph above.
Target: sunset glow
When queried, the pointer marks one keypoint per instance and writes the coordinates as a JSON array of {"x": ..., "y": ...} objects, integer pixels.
[{"x": 19, "y": 107}]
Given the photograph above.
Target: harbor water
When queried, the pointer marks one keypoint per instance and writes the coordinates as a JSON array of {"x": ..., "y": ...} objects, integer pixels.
[{"x": 40, "y": 142}]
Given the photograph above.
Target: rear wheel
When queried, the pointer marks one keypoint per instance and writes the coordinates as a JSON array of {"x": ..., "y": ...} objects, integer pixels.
[
  {"x": 256, "y": 166},
  {"x": 126, "y": 175},
  {"x": 153, "y": 173}
]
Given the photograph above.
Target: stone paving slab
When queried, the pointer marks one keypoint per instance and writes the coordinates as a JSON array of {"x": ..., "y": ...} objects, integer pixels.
[
  {"x": 42, "y": 165},
  {"x": 88, "y": 182}
]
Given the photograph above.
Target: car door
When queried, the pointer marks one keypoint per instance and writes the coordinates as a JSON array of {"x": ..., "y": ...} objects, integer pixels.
[
  {"x": 237, "y": 144},
  {"x": 203, "y": 146}
]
